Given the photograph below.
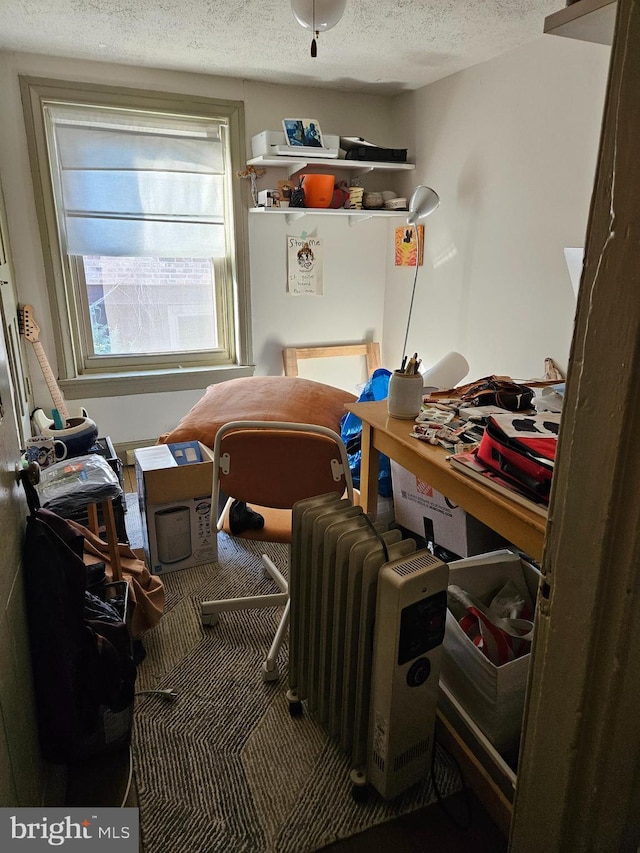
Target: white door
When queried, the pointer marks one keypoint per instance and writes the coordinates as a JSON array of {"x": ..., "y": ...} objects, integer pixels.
[{"x": 19, "y": 384}]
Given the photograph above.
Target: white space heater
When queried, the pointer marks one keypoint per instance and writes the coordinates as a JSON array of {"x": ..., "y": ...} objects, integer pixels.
[{"x": 365, "y": 635}]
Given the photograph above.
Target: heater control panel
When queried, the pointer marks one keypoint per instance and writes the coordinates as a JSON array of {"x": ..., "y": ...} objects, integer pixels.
[{"x": 422, "y": 626}]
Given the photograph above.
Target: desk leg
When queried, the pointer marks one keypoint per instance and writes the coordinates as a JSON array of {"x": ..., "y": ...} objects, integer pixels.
[{"x": 369, "y": 468}]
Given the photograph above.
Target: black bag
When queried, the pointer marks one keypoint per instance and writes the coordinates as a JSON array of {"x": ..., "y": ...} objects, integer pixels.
[
  {"x": 83, "y": 670},
  {"x": 498, "y": 392}
]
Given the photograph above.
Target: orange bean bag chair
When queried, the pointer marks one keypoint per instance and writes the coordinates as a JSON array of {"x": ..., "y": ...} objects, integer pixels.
[{"x": 268, "y": 398}]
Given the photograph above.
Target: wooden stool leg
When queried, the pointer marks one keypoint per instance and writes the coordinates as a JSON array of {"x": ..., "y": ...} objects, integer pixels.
[
  {"x": 92, "y": 512},
  {"x": 112, "y": 540}
]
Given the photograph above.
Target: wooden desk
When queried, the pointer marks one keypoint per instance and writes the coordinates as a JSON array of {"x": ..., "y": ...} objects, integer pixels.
[
  {"x": 391, "y": 436},
  {"x": 519, "y": 525}
]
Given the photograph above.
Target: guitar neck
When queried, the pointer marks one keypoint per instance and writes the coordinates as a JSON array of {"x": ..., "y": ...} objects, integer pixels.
[{"x": 49, "y": 378}]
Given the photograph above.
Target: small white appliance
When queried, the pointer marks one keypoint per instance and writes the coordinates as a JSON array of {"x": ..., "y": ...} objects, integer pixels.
[
  {"x": 272, "y": 143},
  {"x": 173, "y": 533}
]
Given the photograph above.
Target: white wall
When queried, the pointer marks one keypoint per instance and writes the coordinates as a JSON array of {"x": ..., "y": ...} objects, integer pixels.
[
  {"x": 510, "y": 146},
  {"x": 355, "y": 257},
  {"x": 351, "y": 308}
]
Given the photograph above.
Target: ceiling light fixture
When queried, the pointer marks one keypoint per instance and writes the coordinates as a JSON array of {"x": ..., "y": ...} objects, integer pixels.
[{"x": 317, "y": 16}]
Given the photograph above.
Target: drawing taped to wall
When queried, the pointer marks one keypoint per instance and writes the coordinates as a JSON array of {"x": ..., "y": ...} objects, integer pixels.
[
  {"x": 304, "y": 266},
  {"x": 405, "y": 246}
]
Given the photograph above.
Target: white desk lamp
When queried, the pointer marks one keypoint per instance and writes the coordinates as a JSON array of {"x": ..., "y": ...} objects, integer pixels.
[{"x": 422, "y": 203}]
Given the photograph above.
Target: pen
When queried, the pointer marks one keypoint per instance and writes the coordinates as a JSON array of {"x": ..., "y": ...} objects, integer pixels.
[{"x": 411, "y": 364}]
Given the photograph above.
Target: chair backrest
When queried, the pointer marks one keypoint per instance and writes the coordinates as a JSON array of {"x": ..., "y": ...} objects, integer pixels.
[{"x": 275, "y": 464}]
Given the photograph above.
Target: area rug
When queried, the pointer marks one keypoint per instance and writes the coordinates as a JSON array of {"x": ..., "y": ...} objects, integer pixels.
[{"x": 223, "y": 766}]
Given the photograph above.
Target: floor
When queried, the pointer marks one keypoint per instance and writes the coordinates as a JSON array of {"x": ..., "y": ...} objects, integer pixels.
[
  {"x": 129, "y": 477},
  {"x": 457, "y": 825},
  {"x": 463, "y": 827}
]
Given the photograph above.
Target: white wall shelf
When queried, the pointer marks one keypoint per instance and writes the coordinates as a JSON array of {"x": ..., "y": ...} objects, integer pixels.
[
  {"x": 356, "y": 167},
  {"x": 355, "y": 216},
  {"x": 587, "y": 20}
]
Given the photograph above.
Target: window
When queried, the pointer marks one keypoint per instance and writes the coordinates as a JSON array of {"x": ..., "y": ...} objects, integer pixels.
[{"x": 138, "y": 211}]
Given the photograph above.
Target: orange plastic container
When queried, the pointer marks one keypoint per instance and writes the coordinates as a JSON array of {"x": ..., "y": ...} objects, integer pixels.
[{"x": 318, "y": 190}]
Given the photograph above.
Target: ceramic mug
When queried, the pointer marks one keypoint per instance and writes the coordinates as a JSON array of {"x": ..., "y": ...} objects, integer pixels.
[
  {"x": 405, "y": 395},
  {"x": 45, "y": 451}
]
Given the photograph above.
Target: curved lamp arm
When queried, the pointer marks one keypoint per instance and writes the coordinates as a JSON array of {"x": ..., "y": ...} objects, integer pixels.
[{"x": 423, "y": 202}]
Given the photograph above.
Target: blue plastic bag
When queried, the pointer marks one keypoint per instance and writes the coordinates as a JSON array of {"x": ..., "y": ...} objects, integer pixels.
[{"x": 377, "y": 388}]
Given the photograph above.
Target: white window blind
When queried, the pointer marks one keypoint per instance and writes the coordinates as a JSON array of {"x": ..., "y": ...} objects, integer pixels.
[{"x": 132, "y": 187}]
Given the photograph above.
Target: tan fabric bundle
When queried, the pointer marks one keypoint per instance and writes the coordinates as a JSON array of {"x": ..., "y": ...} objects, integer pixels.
[{"x": 146, "y": 591}]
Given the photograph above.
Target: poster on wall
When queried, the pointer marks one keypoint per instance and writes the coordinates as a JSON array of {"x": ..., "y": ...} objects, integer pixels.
[
  {"x": 304, "y": 266},
  {"x": 406, "y": 245}
]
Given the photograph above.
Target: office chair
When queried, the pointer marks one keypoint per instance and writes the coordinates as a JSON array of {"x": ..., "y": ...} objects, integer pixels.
[{"x": 271, "y": 465}]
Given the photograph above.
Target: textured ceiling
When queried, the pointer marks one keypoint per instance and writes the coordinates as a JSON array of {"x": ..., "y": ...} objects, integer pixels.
[{"x": 383, "y": 46}]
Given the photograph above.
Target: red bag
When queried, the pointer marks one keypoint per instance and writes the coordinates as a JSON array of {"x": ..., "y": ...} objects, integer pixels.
[{"x": 527, "y": 462}]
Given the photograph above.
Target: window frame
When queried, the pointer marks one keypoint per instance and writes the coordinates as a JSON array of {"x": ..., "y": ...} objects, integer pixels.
[
  {"x": 80, "y": 376},
  {"x": 149, "y": 361}
]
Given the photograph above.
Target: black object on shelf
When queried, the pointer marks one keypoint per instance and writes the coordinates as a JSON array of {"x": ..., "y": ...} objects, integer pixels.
[
  {"x": 377, "y": 155},
  {"x": 297, "y": 196}
]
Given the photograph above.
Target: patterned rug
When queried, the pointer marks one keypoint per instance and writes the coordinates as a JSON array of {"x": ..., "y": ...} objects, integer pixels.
[{"x": 224, "y": 767}]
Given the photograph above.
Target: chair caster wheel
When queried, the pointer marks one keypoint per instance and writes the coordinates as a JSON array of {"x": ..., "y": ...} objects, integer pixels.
[
  {"x": 210, "y": 618},
  {"x": 359, "y": 787},
  {"x": 295, "y": 704},
  {"x": 269, "y": 674}
]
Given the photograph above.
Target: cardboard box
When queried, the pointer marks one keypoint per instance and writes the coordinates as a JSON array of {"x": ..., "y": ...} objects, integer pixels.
[
  {"x": 428, "y": 513},
  {"x": 174, "y": 490},
  {"x": 492, "y": 696}
]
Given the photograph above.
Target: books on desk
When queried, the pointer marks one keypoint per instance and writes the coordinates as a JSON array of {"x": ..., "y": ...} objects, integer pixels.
[{"x": 468, "y": 464}]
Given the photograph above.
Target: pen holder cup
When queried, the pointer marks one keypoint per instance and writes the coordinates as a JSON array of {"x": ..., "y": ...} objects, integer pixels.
[{"x": 405, "y": 394}]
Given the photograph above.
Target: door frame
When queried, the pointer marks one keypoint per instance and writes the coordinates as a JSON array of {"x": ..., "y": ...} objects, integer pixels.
[{"x": 578, "y": 784}]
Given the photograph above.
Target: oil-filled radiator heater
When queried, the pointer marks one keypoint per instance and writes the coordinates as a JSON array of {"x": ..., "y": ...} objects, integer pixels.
[{"x": 367, "y": 621}]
